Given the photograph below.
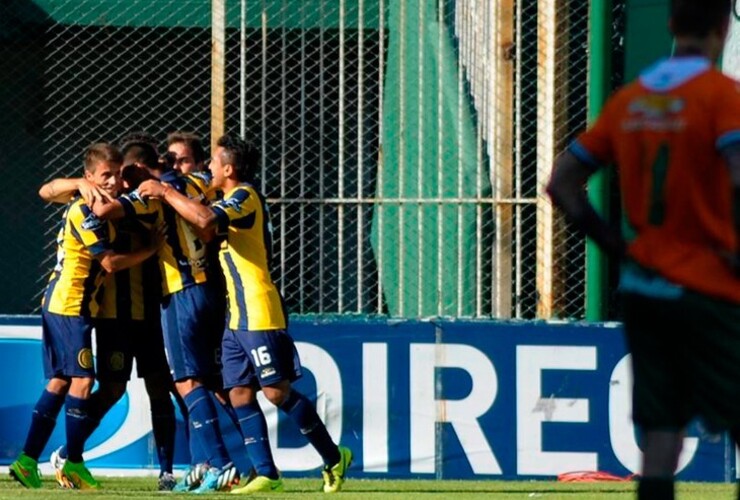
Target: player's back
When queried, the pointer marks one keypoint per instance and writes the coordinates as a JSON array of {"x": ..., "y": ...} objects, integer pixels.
[
  {"x": 667, "y": 130},
  {"x": 183, "y": 254}
]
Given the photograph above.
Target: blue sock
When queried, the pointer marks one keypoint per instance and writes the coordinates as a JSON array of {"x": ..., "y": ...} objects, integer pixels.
[
  {"x": 78, "y": 425},
  {"x": 204, "y": 421},
  {"x": 254, "y": 429},
  {"x": 163, "y": 428},
  {"x": 97, "y": 408},
  {"x": 301, "y": 410},
  {"x": 43, "y": 421}
]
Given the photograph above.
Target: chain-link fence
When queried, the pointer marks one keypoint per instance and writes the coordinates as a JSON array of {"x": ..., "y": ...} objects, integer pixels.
[{"x": 404, "y": 142}]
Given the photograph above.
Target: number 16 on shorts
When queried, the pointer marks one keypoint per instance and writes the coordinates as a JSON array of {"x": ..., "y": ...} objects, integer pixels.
[{"x": 261, "y": 357}]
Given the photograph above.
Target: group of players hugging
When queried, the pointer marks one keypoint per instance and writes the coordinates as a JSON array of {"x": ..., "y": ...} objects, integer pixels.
[{"x": 168, "y": 262}]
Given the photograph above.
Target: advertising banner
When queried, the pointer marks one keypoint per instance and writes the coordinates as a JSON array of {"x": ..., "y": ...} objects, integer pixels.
[{"x": 432, "y": 399}]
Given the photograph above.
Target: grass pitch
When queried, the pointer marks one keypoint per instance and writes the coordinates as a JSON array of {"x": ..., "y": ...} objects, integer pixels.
[{"x": 145, "y": 489}]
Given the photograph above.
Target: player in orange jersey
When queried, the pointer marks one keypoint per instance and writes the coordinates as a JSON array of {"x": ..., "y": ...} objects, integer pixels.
[{"x": 674, "y": 135}]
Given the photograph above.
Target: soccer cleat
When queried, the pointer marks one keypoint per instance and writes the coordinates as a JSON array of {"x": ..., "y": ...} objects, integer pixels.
[
  {"x": 79, "y": 476},
  {"x": 57, "y": 461},
  {"x": 334, "y": 475},
  {"x": 192, "y": 478},
  {"x": 25, "y": 470},
  {"x": 260, "y": 484},
  {"x": 218, "y": 479},
  {"x": 166, "y": 482}
]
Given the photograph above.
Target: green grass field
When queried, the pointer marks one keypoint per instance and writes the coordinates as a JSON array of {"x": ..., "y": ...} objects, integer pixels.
[{"x": 144, "y": 489}]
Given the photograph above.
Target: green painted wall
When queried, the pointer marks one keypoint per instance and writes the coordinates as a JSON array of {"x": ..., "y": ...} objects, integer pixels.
[
  {"x": 197, "y": 13},
  {"x": 647, "y": 37}
]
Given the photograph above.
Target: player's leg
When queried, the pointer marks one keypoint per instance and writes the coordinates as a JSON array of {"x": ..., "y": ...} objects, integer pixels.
[
  {"x": 239, "y": 378},
  {"x": 663, "y": 397},
  {"x": 186, "y": 342},
  {"x": 337, "y": 459},
  {"x": 151, "y": 365},
  {"x": 43, "y": 420},
  {"x": 114, "y": 361},
  {"x": 715, "y": 345}
]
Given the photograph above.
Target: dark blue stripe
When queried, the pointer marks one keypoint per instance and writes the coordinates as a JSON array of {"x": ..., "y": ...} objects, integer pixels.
[
  {"x": 266, "y": 235},
  {"x": 76, "y": 234},
  {"x": 151, "y": 278},
  {"x": 128, "y": 206},
  {"x": 222, "y": 219},
  {"x": 173, "y": 240},
  {"x": 89, "y": 287},
  {"x": 238, "y": 290},
  {"x": 50, "y": 289},
  {"x": 245, "y": 222},
  {"x": 194, "y": 185},
  {"x": 123, "y": 294}
]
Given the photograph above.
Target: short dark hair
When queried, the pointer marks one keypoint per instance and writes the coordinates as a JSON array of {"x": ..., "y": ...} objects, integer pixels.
[
  {"x": 192, "y": 141},
  {"x": 141, "y": 152},
  {"x": 699, "y": 17},
  {"x": 99, "y": 152},
  {"x": 243, "y": 155},
  {"x": 138, "y": 137}
]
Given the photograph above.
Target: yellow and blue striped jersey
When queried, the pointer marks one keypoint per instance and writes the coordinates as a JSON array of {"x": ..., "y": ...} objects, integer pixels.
[
  {"x": 133, "y": 293},
  {"x": 182, "y": 257},
  {"x": 75, "y": 285},
  {"x": 254, "y": 300}
]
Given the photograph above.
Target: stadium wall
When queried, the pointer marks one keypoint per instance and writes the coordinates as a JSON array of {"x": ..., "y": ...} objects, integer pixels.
[{"x": 432, "y": 399}]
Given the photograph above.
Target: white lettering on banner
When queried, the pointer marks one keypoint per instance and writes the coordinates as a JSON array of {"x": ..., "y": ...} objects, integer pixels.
[
  {"x": 532, "y": 409},
  {"x": 621, "y": 427},
  {"x": 463, "y": 414},
  {"x": 375, "y": 407},
  {"x": 328, "y": 405}
]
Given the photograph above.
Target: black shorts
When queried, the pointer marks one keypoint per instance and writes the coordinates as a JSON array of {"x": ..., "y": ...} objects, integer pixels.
[
  {"x": 119, "y": 342},
  {"x": 685, "y": 360}
]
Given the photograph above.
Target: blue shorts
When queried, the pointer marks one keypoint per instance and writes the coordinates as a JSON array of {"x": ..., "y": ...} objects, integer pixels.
[
  {"x": 120, "y": 341},
  {"x": 258, "y": 357},
  {"x": 67, "y": 344},
  {"x": 192, "y": 327}
]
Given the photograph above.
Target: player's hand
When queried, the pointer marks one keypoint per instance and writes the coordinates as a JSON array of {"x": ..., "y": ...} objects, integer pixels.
[
  {"x": 151, "y": 189},
  {"x": 92, "y": 194}
]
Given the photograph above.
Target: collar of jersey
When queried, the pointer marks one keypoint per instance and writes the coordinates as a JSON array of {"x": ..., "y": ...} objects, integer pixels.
[{"x": 672, "y": 72}]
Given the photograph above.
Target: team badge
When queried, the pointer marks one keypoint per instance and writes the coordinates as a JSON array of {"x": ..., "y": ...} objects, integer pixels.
[
  {"x": 91, "y": 223},
  {"x": 116, "y": 361},
  {"x": 233, "y": 203},
  {"x": 135, "y": 196},
  {"x": 85, "y": 358}
]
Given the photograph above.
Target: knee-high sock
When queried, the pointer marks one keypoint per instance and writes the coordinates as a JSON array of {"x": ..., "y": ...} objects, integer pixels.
[
  {"x": 303, "y": 413},
  {"x": 78, "y": 424},
  {"x": 163, "y": 428},
  {"x": 98, "y": 406},
  {"x": 254, "y": 429},
  {"x": 204, "y": 421},
  {"x": 43, "y": 421}
]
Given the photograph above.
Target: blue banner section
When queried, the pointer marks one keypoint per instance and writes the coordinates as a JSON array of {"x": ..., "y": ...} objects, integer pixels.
[{"x": 445, "y": 399}]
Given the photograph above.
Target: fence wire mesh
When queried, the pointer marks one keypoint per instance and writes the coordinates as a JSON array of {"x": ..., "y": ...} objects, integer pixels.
[{"x": 404, "y": 143}]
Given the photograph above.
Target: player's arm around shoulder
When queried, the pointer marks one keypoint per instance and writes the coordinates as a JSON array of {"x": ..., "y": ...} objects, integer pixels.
[
  {"x": 199, "y": 215},
  {"x": 113, "y": 261},
  {"x": 63, "y": 191}
]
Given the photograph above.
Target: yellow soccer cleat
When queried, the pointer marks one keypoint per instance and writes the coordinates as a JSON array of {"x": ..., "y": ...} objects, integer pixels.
[
  {"x": 260, "y": 484},
  {"x": 334, "y": 475}
]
